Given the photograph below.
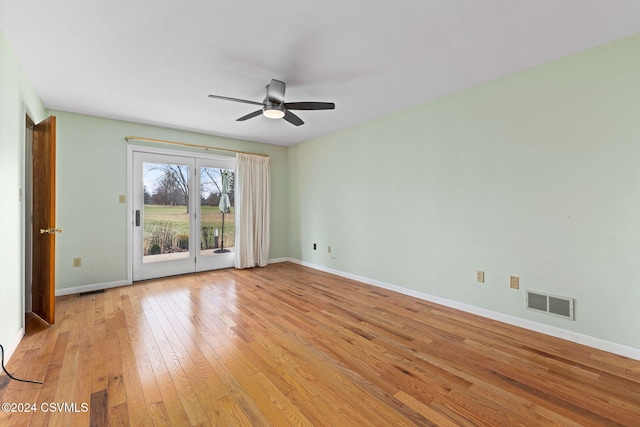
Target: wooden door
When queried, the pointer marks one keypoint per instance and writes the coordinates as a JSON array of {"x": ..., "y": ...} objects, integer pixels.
[{"x": 44, "y": 219}]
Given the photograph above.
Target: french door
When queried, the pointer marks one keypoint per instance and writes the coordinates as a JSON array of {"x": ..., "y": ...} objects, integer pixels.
[{"x": 182, "y": 214}]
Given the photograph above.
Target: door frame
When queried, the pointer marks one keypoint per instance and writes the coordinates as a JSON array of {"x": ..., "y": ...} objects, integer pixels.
[
  {"x": 130, "y": 190},
  {"x": 27, "y": 211}
]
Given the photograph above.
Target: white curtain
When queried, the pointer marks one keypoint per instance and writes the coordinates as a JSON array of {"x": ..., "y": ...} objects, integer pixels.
[{"x": 252, "y": 205}]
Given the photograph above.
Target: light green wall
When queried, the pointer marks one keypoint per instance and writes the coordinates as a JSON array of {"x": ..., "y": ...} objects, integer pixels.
[
  {"x": 17, "y": 98},
  {"x": 92, "y": 173},
  {"x": 536, "y": 175}
]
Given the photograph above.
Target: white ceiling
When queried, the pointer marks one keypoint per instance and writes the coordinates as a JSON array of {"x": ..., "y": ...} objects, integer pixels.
[{"x": 155, "y": 61}]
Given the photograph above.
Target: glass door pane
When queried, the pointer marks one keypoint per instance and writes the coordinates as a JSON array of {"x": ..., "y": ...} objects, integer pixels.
[
  {"x": 217, "y": 215},
  {"x": 166, "y": 212}
]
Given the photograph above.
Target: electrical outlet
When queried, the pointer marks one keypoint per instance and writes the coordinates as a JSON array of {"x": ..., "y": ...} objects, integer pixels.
[
  {"x": 315, "y": 246},
  {"x": 329, "y": 249},
  {"x": 480, "y": 276},
  {"x": 77, "y": 262},
  {"x": 514, "y": 282},
  {"x": 122, "y": 198}
]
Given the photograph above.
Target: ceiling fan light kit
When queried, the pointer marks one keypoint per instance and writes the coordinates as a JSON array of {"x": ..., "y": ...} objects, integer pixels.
[
  {"x": 273, "y": 111},
  {"x": 274, "y": 107}
]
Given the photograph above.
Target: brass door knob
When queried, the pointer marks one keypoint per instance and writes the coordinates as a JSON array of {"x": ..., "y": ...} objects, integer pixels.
[{"x": 50, "y": 230}]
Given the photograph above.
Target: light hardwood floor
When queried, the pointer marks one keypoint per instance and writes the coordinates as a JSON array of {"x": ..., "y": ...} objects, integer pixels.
[{"x": 287, "y": 345}]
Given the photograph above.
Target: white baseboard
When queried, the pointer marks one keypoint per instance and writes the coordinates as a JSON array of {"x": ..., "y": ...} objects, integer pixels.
[
  {"x": 118, "y": 283},
  {"x": 553, "y": 331},
  {"x": 8, "y": 351},
  {"x": 90, "y": 288}
]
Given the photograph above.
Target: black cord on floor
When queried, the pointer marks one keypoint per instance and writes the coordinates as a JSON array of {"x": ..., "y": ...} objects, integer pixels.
[{"x": 11, "y": 376}]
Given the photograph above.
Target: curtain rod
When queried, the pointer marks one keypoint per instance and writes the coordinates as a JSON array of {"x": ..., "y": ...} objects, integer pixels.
[{"x": 185, "y": 144}]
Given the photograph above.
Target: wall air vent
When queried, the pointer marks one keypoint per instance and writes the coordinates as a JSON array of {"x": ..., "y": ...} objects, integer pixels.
[{"x": 550, "y": 304}]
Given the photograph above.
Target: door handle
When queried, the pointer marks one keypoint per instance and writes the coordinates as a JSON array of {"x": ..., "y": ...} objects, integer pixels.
[
  {"x": 50, "y": 230},
  {"x": 138, "y": 218}
]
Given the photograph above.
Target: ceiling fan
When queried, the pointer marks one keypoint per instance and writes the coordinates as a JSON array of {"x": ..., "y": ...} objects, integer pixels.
[{"x": 274, "y": 107}]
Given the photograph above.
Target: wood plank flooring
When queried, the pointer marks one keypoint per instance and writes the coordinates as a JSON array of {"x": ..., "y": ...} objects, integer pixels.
[{"x": 287, "y": 345}]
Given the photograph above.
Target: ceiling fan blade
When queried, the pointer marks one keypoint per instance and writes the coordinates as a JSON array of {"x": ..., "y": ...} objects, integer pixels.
[
  {"x": 275, "y": 91},
  {"x": 226, "y": 98},
  {"x": 310, "y": 105},
  {"x": 249, "y": 116},
  {"x": 292, "y": 118}
]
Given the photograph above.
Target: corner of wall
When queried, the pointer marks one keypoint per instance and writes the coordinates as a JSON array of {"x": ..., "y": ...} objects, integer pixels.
[{"x": 10, "y": 350}]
